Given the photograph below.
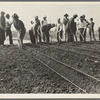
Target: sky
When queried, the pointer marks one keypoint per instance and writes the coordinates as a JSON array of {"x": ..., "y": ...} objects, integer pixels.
[{"x": 53, "y": 10}]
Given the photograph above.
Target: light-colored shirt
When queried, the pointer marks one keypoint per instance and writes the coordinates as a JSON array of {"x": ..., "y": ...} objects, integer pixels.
[
  {"x": 8, "y": 23},
  {"x": 59, "y": 27},
  {"x": 82, "y": 24}
]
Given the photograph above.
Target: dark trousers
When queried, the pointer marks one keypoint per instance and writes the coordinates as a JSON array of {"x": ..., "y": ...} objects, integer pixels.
[
  {"x": 32, "y": 37},
  {"x": 92, "y": 35},
  {"x": 85, "y": 35},
  {"x": 47, "y": 37},
  {"x": 2, "y": 36},
  {"x": 9, "y": 33},
  {"x": 70, "y": 36},
  {"x": 81, "y": 34}
]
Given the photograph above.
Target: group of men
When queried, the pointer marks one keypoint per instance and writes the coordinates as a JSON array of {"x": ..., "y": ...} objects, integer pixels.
[
  {"x": 5, "y": 27},
  {"x": 69, "y": 28},
  {"x": 40, "y": 28},
  {"x": 72, "y": 28}
]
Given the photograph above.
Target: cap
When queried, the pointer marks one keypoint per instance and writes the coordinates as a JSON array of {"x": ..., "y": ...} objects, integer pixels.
[
  {"x": 66, "y": 14},
  {"x": 75, "y": 15},
  {"x": 81, "y": 16},
  {"x": 91, "y": 18}
]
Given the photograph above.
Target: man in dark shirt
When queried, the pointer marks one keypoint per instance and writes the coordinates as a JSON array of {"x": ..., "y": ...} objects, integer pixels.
[
  {"x": 2, "y": 28},
  {"x": 65, "y": 22},
  {"x": 45, "y": 29},
  {"x": 85, "y": 30},
  {"x": 71, "y": 28},
  {"x": 91, "y": 29}
]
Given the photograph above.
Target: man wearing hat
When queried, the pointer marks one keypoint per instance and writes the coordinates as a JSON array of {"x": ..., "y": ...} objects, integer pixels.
[
  {"x": 59, "y": 30},
  {"x": 81, "y": 26},
  {"x": 2, "y": 28},
  {"x": 71, "y": 28},
  {"x": 91, "y": 29},
  {"x": 65, "y": 22},
  {"x": 8, "y": 28},
  {"x": 44, "y": 22},
  {"x": 37, "y": 28},
  {"x": 21, "y": 30},
  {"x": 85, "y": 29}
]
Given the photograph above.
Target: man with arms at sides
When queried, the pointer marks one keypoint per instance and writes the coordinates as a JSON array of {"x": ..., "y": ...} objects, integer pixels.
[
  {"x": 37, "y": 28},
  {"x": 91, "y": 29},
  {"x": 81, "y": 27},
  {"x": 71, "y": 28},
  {"x": 85, "y": 28},
  {"x": 8, "y": 28},
  {"x": 65, "y": 22},
  {"x": 44, "y": 22},
  {"x": 59, "y": 30},
  {"x": 2, "y": 28}
]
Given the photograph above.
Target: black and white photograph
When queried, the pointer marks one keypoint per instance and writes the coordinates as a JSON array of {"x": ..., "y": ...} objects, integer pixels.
[{"x": 49, "y": 47}]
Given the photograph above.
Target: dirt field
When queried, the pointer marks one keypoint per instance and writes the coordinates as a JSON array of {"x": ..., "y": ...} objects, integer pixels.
[{"x": 20, "y": 72}]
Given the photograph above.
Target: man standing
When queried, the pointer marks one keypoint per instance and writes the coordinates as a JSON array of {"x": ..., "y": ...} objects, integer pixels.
[
  {"x": 85, "y": 28},
  {"x": 8, "y": 28},
  {"x": 31, "y": 33},
  {"x": 91, "y": 29},
  {"x": 71, "y": 28},
  {"x": 44, "y": 22},
  {"x": 59, "y": 31},
  {"x": 81, "y": 27},
  {"x": 37, "y": 28},
  {"x": 2, "y": 28},
  {"x": 65, "y": 22}
]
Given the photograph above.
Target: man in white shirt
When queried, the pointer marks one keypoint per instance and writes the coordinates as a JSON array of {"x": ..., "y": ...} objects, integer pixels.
[
  {"x": 59, "y": 31},
  {"x": 8, "y": 28},
  {"x": 81, "y": 27}
]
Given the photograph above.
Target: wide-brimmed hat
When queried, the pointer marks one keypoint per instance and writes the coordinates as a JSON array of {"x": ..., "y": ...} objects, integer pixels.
[
  {"x": 66, "y": 14},
  {"x": 81, "y": 16},
  {"x": 2, "y": 12},
  {"x": 15, "y": 16},
  {"x": 7, "y": 15},
  {"x": 75, "y": 15}
]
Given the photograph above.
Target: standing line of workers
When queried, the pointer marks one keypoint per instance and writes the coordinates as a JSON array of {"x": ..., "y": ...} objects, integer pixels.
[{"x": 69, "y": 28}]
